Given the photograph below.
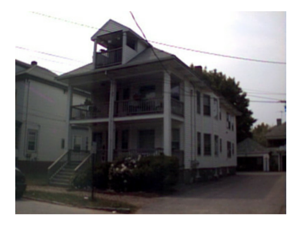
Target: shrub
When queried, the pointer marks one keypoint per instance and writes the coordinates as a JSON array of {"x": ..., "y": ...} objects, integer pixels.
[
  {"x": 84, "y": 179},
  {"x": 151, "y": 173}
]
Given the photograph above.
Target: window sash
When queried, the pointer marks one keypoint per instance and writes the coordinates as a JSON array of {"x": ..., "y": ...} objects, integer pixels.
[
  {"x": 206, "y": 105},
  {"x": 32, "y": 140},
  {"x": 198, "y": 143},
  {"x": 207, "y": 144}
]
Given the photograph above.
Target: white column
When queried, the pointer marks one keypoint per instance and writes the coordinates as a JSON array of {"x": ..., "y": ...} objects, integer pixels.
[
  {"x": 167, "y": 127},
  {"x": 187, "y": 125},
  {"x": 95, "y": 53},
  {"x": 124, "y": 43},
  {"x": 111, "y": 123},
  {"x": 68, "y": 116}
]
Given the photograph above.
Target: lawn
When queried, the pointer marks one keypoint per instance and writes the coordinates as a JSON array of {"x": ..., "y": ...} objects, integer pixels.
[{"x": 81, "y": 201}]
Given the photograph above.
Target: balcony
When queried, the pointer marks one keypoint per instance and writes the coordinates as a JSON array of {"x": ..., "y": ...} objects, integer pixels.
[
  {"x": 81, "y": 112},
  {"x": 132, "y": 107},
  {"x": 125, "y": 108},
  {"x": 177, "y": 107},
  {"x": 109, "y": 58}
]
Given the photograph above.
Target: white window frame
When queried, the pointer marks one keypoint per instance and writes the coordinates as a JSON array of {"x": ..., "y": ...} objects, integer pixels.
[{"x": 36, "y": 133}]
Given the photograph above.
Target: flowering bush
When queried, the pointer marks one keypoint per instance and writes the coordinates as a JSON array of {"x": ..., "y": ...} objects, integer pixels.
[{"x": 151, "y": 173}]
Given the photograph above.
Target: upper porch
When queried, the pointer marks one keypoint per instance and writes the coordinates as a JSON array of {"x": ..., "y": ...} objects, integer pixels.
[{"x": 150, "y": 94}]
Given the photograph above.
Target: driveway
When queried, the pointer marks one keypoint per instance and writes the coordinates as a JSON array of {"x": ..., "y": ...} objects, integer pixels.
[{"x": 244, "y": 193}]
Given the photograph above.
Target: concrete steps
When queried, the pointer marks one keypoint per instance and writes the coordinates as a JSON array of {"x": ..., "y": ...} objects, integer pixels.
[{"x": 64, "y": 177}]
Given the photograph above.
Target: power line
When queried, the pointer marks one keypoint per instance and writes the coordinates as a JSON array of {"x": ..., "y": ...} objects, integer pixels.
[
  {"x": 49, "y": 54},
  {"x": 216, "y": 54},
  {"x": 168, "y": 45}
]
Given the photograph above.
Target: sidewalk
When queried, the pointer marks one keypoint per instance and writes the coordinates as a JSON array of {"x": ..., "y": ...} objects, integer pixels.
[{"x": 135, "y": 200}]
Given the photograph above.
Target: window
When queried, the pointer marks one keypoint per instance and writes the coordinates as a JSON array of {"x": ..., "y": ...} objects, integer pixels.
[
  {"x": 228, "y": 149},
  {"x": 125, "y": 138},
  {"x": 147, "y": 92},
  {"x": 207, "y": 144},
  {"x": 232, "y": 148},
  {"x": 198, "y": 102},
  {"x": 146, "y": 139},
  {"x": 216, "y": 145},
  {"x": 32, "y": 140},
  {"x": 215, "y": 108},
  {"x": 228, "y": 121},
  {"x": 206, "y": 105},
  {"x": 63, "y": 143},
  {"x": 176, "y": 139},
  {"x": 220, "y": 144},
  {"x": 175, "y": 91},
  {"x": 198, "y": 143}
]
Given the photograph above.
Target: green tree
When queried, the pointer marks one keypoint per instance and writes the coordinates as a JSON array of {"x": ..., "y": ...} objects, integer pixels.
[
  {"x": 259, "y": 133},
  {"x": 233, "y": 93}
]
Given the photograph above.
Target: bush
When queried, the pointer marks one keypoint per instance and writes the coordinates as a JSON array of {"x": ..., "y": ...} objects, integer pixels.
[
  {"x": 84, "y": 179},
  {"x": 151, "y": 173}
]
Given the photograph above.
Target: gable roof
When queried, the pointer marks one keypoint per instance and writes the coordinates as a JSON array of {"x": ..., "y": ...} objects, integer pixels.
[
  {"x": 147, "y": 56},
  {"x": 249, "y": 146},
  {"x": 277, "y": 132},
  {"x": 112, "y": 26}
]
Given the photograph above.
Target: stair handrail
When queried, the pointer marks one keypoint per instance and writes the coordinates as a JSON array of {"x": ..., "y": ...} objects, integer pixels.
[
  {"x": 55, "y": 163},
  {"x": 82, "y": 163}
]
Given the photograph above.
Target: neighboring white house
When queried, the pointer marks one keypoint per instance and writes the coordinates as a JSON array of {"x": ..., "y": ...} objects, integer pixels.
[
  {"x": 40, "y": 113},
  {"x": 146, "y": 101}
]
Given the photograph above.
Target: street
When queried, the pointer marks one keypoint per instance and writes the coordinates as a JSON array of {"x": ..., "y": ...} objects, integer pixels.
[
  {"x": 244, "y": 193},
  {"x": 25, "y": 206}
]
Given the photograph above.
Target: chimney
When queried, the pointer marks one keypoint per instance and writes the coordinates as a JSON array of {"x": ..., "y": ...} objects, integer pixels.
[
  {"x": 278, "y": 122},
  {"x": 198, "y": 69},
  {"x": 34, "y": 63}
]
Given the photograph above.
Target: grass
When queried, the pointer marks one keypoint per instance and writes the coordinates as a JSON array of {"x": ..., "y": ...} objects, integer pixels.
[
  {"x": 39, "y": 179},
  {"x": 80, "y": 201}
]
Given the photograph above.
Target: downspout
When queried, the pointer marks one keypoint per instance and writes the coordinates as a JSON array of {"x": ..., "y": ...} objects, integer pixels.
[{"x": 26, "y": 118}]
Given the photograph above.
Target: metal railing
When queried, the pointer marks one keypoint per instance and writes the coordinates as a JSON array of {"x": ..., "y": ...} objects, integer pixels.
[
  {"x": 79, "y": 112},
  {"x": 177, "y": 107},
  {"x": 133, "y": 107},
  {"x": 109, "y": 58}
]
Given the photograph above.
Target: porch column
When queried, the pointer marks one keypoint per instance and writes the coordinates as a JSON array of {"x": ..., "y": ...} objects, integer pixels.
[
  {"x": 124, "y": 43},
  {"x": 111, "y": 123},
  {"x": 167, "y": 115},
  {"x": 95, "y": 53},
  {"x": 187, "y": 125},
  {"x": 68, "y": 116}
]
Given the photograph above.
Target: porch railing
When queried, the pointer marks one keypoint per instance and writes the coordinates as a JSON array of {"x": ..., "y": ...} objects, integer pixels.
[
  {"x": 177, "y": 107},
  {"x": 119, "y": 153},
  {"x": 133, "y": 107},
  {"x": 109, "y": 58},
  {"x": 79, "y": 112}
]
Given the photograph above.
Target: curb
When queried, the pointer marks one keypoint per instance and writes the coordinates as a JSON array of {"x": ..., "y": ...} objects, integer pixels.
[{"x": 113, "y": 210}]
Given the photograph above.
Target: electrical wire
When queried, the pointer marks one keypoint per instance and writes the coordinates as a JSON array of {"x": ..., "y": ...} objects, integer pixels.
[{"x": 169, "y": 45}]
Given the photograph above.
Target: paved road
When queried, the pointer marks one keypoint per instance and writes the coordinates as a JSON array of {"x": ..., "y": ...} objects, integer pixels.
[
  {"x": 244, "y": 193},
  {"x": 25, "y": 206}
]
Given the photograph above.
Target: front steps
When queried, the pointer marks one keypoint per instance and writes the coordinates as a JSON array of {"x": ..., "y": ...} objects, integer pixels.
[{"x": 64, "y": 177}]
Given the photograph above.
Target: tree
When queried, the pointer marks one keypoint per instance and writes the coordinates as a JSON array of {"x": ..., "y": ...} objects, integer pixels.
[
  {"x": 230, "y": 90},
  {"x": 259, "y": 133}
]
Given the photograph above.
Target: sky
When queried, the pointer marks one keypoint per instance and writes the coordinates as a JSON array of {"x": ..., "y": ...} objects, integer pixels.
[{"x": 60, "y": 40}]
